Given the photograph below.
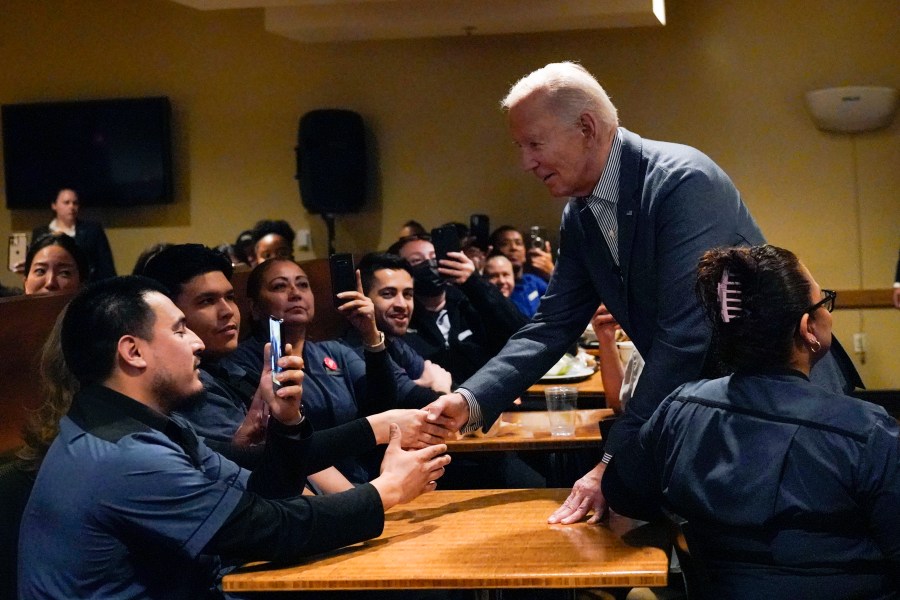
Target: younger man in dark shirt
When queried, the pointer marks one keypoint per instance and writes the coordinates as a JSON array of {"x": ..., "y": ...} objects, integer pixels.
[{"x": 153, "y": 511}]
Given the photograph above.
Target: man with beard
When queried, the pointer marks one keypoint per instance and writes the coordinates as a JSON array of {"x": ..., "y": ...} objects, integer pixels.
[
  {"x": 231, "y": 412},
  {"x": 459, "y": 321},
  {"x": 386, "y": 280},
  {"x": 480, "y": 320},
  {"x": 130, "y": 503}
]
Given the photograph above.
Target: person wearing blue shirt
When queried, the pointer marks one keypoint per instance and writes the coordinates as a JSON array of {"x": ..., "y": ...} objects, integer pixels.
[
  {"x": 525, "y": 292},
  {"x": 789, "y": 490},
  {"x": 153, "y": 512},
  {"x": 387, "y": 282},
  {"x": 339, "y": 386},
  {"x": 230, "y": 414}
]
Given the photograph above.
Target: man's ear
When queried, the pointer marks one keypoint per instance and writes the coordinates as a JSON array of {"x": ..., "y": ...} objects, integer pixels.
[
  {"x": 588, "y": 125},
  {"x": 130, "y": 352}
]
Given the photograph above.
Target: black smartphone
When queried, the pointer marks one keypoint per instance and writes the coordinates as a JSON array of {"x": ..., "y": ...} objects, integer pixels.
[
  {"x": 277, "y": 349},
  {"x": 480, "y": 229},
  {"x": 537, "y": 237},
  {"x": 343, "y": 276},
  {"x": 445, "y": 239}
]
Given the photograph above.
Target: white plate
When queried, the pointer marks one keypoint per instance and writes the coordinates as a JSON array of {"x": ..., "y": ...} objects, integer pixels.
[{"x": 576, "y": 373}]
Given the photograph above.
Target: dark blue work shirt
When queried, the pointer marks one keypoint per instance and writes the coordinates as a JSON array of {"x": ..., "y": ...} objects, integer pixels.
[
  {"x": 125, "y": 501},
  {"x": 790, "y": 490},
  {"x": 227, "y": 392}
]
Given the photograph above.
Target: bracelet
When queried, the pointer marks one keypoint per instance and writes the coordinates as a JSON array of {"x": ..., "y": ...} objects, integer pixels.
[{"x": 377, "y": 347}]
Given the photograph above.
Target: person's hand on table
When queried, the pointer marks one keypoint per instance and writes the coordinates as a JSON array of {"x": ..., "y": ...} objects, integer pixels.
[
  {"x": 453, "y": 408},
  {"x": 406, "y": 474},
  {"x": 897, "y": 297},
  {"x": 284, "y": 404},
  {"x": 457, "y": 267},
  {"x": 586, "y": 495},
  {"x": 416, "y": 431}
]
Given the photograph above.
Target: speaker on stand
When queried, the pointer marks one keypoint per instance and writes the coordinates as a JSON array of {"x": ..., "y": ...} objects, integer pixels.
[{"x": 331, "y": 164}]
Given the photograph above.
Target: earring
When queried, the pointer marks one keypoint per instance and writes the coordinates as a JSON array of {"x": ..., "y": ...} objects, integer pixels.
[{"x": 818, "y": 346}]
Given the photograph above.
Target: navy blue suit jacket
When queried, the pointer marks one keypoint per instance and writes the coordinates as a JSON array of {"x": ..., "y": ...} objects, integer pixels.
[{"x": 674, "y": 204}]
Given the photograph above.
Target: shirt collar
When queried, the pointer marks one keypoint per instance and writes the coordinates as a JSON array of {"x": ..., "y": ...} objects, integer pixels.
[
  {"x": 56, "y": 227},
  {"x": 107, "y": 414},
  {"x": 608, "y": 186},
  {"x": 776, "y": 372}
]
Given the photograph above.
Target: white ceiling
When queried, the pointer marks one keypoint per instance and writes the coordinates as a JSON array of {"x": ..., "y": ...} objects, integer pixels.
[{"x": 342, "y": 20}]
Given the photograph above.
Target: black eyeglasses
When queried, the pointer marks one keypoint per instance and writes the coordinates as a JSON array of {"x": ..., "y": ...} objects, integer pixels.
[{"x": 827, "y": 302}]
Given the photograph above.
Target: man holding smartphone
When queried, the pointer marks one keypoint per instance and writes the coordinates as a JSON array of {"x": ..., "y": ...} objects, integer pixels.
[
  {"x": 232, "y": 412},
  {"x": 153, "y": 511},
  {"x": 459, "y": 321}
]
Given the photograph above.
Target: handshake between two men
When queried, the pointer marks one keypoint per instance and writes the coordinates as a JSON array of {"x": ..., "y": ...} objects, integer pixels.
[{"x": 451, "y": 413}]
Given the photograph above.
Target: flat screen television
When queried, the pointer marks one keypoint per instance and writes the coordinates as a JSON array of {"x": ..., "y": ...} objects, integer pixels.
[{"x": 112, "y": 152}]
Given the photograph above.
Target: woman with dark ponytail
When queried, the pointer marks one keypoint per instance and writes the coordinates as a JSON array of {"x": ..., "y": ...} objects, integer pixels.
[{"x": 789, "y": 490}]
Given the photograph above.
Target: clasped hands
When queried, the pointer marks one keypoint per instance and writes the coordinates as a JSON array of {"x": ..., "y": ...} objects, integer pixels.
[{"x": 452, "y": 411}]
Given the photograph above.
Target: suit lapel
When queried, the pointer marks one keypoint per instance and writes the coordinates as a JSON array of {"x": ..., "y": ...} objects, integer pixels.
[{"x": 630, "y": 187}]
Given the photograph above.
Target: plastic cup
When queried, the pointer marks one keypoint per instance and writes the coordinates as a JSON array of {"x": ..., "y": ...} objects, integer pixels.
[{"x": 561, "y": 402}]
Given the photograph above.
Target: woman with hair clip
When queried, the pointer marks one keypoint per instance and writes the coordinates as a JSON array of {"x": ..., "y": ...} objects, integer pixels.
[{"x": 789, "y": 490}]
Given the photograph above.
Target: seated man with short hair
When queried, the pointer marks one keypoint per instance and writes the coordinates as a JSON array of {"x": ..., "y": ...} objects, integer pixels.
[
  {"x": 231, "y": 413},
  {"x": 386, "y": 280},
  {"x": 459, "y": 321},
  {"x": 130, "y": 503}
]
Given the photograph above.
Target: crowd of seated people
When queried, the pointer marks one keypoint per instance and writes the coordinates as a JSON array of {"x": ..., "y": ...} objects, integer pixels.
[
  {"x": 339, "y": 386},
  {"x": 416, "y": 327},
  {"x": 134, "y": 359},
  {"x": 459, "y": 320}
]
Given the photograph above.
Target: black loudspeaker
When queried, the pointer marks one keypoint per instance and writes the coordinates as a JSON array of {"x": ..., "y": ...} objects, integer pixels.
[{"x": 331, "y": 161}]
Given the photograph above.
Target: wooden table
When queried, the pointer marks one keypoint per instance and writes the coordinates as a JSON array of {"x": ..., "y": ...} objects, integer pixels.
[
  {"x": 478, "y": 539},
  {"x": 590, "y": 392},
  {"x": 530, "y": 430}
]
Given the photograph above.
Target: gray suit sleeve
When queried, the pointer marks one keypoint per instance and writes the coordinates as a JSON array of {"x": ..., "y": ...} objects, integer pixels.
[
  {"x": 562, "y": 316},
  {"x": 696, "y": 209}
]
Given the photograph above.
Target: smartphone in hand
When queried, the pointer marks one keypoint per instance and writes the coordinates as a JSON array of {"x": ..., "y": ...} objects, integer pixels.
[
  {"x": 480, "y": 229},
  {"x": 537, "y": 237},
  {"x": 343, "y": 276},
  {"x": 445, "y": 239},
  {"x": 277, "y": 350},
  {"x": 18, "y": 246}
]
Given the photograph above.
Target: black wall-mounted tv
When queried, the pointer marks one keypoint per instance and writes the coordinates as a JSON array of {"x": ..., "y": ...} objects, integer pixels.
[{"x": 112, "y": 152}]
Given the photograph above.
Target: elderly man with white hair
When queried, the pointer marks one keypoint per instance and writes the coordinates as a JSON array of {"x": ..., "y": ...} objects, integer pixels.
[{"x": 640, "y": 215}]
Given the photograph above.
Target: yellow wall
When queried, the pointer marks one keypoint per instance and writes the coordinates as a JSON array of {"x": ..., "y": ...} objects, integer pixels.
[{"x": 727, "y": 77}]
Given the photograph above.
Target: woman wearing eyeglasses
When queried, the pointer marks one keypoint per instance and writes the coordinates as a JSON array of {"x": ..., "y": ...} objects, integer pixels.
[{"x": 789, "y": 490}]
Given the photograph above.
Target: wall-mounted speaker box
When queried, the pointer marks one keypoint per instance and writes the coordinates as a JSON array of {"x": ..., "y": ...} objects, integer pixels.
[
  {"x": 852, "y": 109},
  {"x": 331, "y": 161}
]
